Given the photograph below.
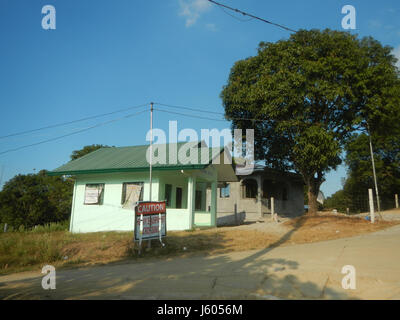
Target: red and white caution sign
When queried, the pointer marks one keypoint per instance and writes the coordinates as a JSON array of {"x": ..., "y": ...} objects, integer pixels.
[{"x": 150, "y": 220}]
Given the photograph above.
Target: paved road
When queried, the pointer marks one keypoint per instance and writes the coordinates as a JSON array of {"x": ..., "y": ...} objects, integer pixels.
[{"x": 308, "y": 271}]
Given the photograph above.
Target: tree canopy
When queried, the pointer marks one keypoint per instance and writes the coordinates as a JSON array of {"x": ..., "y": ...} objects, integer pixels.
[
  {"x": 35, "y": 199},
  {"x": 76, "y": 154},
  {"x": 307, "y": 95},
  {"x": 359, "y": 176}
]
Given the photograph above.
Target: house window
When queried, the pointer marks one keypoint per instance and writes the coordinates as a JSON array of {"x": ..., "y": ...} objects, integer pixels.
[
  {"x": 178, "y": 198},
  {"x": 94, "y": 193},
  {"x": 225, "y": 191},
  {"x": 249, "y": 189},
  {"x": 198, "y": 200},
  {"x": 168, "y": 194},
  {"x": 132, "y": 192}
]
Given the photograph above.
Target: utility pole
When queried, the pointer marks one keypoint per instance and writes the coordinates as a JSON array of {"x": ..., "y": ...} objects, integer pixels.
[
  {"x": 374, "y": 172},
  {"x": 151, "y": 146},
  {"x": 151, "y": 158},
  {"x": 1, "y": 174}
]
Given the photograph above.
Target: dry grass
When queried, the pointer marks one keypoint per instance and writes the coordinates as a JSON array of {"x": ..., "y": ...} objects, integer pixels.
[
  {"x": 325, "y": 227},
  {"x": 21, "y": 251}
]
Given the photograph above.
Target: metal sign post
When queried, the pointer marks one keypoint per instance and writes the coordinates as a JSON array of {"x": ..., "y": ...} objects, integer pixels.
[
  {"x": 141, "y": 234},
  {"x": 150, "y": 221},
  {"x": 159, "y": 230}
]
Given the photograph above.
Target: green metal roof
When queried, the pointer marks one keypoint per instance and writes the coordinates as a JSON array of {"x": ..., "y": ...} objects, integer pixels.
[{"x": 133, "y": 159}]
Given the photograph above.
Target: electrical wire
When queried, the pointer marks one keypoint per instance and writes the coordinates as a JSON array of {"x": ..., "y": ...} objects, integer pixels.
[
  {"x": 124, "y": 117},
  {"x": 72, "y": 133},
  {"x": 252, "y": 16},
  {"x": 233, "y": 16},
  {"x": 71, "y": 122},
  {"x": 189, "y": 115},
  {"x": 188, "y": 108},
  {"x": 204, "y": 110}
]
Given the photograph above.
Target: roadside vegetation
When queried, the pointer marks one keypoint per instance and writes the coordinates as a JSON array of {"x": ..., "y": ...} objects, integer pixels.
[
  {"x": 29, "y": 200},
  {"x": 30, "y": 250}
]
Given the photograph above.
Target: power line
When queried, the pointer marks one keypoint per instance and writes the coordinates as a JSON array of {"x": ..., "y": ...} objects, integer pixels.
[
  {"x": 252, "y": 16},
  {"x": 233, "y": 16},
  {"x": 204, "y": 110},
  {"x": 188, "y": 108},
  {"x": 189, "y": 115},
  {"x": 72, "y": 133},
  {"x": 70, "y": 122},
  {"x": 125, "y": 117}
]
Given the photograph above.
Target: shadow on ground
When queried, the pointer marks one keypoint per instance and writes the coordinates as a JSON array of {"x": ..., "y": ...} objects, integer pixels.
[{"x": 230, "y": 276}]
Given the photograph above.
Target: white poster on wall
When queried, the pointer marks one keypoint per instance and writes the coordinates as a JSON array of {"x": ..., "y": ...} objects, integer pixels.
[
  {"x": 92, "y": 194},
  {"x": 132, "y": 196}
]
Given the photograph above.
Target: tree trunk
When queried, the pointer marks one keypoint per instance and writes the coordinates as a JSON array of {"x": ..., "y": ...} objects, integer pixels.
[
  {"x": 312, "y": 193},
  {"x": 312, "y": 203}
]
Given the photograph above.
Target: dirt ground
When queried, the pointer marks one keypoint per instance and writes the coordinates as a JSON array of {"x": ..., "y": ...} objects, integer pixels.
[
  {"x": 300, "y": 271},
  {"x": 305, "y": 229},
  {"x": 71, "y": 250}
]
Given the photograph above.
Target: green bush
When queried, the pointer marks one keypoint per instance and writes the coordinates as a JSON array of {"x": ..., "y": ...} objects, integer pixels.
[{"x": 53, "y": 226}]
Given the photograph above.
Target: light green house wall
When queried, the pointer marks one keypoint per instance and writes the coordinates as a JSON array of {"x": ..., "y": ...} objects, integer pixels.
[{"x": 110, "y": 216}]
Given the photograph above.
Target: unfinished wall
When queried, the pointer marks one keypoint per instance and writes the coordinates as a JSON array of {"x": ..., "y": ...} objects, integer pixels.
[{"x": 252, "y": 209}]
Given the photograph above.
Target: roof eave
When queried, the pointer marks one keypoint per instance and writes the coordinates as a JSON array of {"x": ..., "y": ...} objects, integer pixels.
[{"x": 143, "y": 169}]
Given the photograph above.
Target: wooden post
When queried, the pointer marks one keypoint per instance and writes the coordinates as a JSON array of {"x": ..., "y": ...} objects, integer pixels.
[
  {"x": 214, "y": 209},
  {"x": 396, "y": 200},
  {"x": 272, "y": 209},
  {"x": 371, "y": 205},
  {"x": 259, "y": 197},
  {"x": 236, "y": 217},
  {"x": 5, "y": 227}
]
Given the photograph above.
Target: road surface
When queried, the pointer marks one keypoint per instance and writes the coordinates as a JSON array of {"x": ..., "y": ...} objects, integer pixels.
[{"x": 306, "y": 271}]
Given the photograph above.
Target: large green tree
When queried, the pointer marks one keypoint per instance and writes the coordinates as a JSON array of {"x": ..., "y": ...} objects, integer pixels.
[
  {"x": 35, "y": 199},
  {"x": 307, "y": 95}
]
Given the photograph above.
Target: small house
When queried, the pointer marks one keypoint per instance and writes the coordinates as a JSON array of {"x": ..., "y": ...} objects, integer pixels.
[{"x": 109, "y": 181}]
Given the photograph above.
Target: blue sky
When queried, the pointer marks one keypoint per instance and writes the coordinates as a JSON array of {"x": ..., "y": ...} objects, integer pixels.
[{"x": 109, "y": 55}]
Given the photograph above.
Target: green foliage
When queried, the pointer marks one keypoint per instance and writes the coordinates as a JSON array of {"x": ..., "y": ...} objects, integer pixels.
[
  {"x": 35, "y": 199},
  {"x": 339, "y": 201},
  {"x": 360, "y": 175},
  {"x": 22, "y": 249},
  {"x": 387, "y": 163},
  {"x": 51, "y": 227},
  {"x": 76, "y": 154},
  {"x": 312, "y": 92}
]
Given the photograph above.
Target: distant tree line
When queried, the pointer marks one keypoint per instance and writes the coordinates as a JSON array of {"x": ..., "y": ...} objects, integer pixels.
[
  {"x": 37, "y": 199},
  {"x": 360, "y": 177}
]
